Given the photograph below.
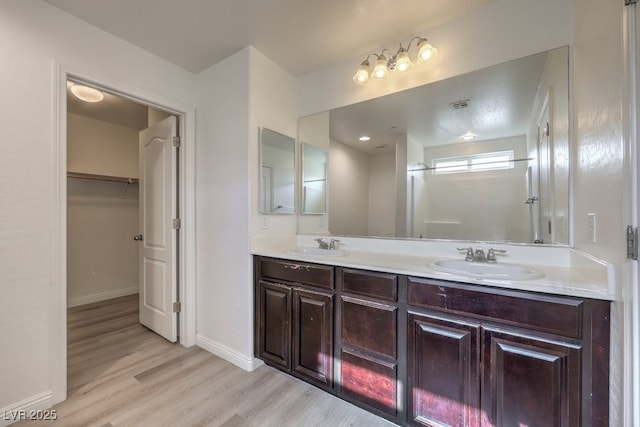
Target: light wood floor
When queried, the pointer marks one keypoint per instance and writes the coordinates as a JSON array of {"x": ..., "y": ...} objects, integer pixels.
[{"x": 121, "y": 374}]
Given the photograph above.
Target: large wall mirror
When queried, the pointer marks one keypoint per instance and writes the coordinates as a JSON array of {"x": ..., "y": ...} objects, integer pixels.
[
  {"x": 277, "y": 173},
  {"x": 481, "y": 156}
]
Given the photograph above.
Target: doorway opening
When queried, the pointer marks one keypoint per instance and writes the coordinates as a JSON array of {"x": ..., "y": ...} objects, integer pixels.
[{"x": 83, "y": 188}]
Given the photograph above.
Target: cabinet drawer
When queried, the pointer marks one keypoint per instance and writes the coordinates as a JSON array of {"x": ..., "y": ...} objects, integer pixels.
[
  {"x": 298, "y": 272},
  {"x": 544, "y": 313},
  {"x": 369, "y": 325},
  {"x": 367, "y": 283},
  {"x": 369, "y": 380}
]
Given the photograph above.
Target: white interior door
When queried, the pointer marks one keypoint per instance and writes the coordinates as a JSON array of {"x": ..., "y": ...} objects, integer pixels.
[{"x": 158, "y": 206}]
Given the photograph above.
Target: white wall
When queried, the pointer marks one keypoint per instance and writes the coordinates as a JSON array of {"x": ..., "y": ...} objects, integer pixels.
[
  {"x": 382, "y": 193},
  {"x": 348, "y": 190},
  {"x": 102, "y": 257},
  {"x": 101, "y": 148},
  {"x": 237, "y": 96},
  {"x": 598, "y": 158},
  {"x": 29, "y": 213},
  {"x": 102, "y": 217}
]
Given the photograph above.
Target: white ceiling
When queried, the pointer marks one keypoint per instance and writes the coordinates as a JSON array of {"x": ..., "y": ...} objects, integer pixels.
[
  {"x": 302, "y": 36},
  {"x": 299, "y": 35}
]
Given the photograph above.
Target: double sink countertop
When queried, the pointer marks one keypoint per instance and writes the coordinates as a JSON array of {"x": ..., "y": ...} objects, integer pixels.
[{"x": 566, "y": 271}]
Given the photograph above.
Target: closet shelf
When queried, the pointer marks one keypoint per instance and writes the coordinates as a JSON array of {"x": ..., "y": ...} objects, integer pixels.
[{"x": 123, "y": 179}]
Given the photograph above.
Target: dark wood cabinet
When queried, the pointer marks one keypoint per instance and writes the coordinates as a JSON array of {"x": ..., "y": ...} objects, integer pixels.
[
  {"x": 313, "y": 336},
  {"x": 368, "y": 339},
  {"x": 430, "y": 352},
  {"x": 443, "y": 365},
  {"x": 494, "y": 357},
  {"x": 530, "y": 381},
  {"x": 294, "y": 321}
]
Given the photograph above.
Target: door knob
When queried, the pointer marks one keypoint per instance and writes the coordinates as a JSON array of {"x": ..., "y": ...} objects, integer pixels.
[{"x": 138, "y": 237}]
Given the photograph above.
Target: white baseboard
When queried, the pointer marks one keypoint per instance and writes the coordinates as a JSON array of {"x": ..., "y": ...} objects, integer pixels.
[
  {"x": 33, "y": 407},
  {"x": 103, "y": 296},
  {"x": 230, "y": 355}
]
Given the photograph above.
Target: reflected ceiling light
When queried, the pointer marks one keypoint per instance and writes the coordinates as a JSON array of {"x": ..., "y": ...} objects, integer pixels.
[
  {"x": 468, "y": 136},
  {"x": 86, "y": 93},
  {"x": 364, "y": 138},
  {"x": 398, "y": 62}
]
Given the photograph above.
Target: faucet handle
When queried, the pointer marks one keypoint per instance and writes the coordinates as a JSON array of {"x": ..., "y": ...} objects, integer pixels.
[
  {"x": 333, "y": 244},
  {"x": 469, "y": 256},
  {"x": 491, "y": 254}
]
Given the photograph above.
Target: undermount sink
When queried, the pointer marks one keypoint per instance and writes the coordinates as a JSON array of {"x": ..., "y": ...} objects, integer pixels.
[
  {"x": 319, "y": 252},
  {"x": 485, "y": 270}
]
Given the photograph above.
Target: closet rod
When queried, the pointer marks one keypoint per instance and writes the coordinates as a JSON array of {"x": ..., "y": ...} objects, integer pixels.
[{"x": 94, "y": 177}]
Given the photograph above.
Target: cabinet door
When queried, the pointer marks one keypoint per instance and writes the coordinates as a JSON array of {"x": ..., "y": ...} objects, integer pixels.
[
  {"x": 274, "y": 328},
  {"x": 530, "y": 382},
  {"x": 313, "y": 336},
  {"x": 443, "y": 371}
]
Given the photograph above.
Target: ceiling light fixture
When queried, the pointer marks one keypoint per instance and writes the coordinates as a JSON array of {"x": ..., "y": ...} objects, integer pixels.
[
  {"x": 86, "y": 93},
  {"x": 468, "y": 136},
  {"x": 364, "y": 138},
  {"x": 400, "y": 62}
]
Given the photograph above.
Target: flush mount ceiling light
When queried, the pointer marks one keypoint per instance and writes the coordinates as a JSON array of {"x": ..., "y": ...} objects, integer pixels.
[
  {"x": 86, "y": 93},
  {"x": 468, "y": 136},
  {"x": 400, "y": 62}
]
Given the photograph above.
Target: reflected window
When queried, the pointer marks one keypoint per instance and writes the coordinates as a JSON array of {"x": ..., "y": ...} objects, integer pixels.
[{"x": 474, "y": 162}]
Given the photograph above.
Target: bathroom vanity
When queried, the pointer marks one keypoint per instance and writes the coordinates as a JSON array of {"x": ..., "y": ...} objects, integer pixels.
[{"x": 420, "y": 350}]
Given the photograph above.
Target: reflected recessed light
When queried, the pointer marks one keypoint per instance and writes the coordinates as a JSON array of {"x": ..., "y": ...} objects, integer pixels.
[
  {"x": 468, "y": 136},
  {"x": 86, "y": 93},
  {"x": 364, "y": 138}
]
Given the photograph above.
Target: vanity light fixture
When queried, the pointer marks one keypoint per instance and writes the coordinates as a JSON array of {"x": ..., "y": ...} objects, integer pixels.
[
  {"x": 86, "y": 93},
  {"x": 364, "y": 138},
  {"x": 400, "y": 62}
]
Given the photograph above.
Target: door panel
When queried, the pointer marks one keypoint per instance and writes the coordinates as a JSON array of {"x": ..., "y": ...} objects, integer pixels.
[
  {"x": 274, "y": 334},
  {"x": 158, "y": 206},
  {"x": 313, "y": 336},
  {"x": 444, "y": 371},
  {"x": 530, "y": 382}
]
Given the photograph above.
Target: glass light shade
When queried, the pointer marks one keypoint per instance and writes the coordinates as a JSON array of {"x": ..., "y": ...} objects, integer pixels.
[
  {"x": 403, "y": 62},
  {"x": 362, "y": 75},
  {"x": 87, "y": 94},
  {"x": 426, "y": 51},
  {"x": 380, "y": 70}
]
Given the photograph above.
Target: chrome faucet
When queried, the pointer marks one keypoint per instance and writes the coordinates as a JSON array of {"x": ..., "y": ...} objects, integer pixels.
[
  {"x": 479, "y": 255},
  {"x": 330, "y": 245}
]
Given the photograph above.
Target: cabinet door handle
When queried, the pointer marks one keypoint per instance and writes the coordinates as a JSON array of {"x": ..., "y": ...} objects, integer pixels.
[{"x": 138, "y": 238}]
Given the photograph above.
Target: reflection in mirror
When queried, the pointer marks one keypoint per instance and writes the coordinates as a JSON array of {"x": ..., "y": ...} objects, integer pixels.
[
  {"x": 482, "y": 156},
  {"x": 277, "y": 173},
  {"x": 314, "y": 180}
]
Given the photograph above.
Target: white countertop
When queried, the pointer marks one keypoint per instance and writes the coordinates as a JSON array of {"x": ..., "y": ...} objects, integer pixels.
[{"x": 566, "y": 271}]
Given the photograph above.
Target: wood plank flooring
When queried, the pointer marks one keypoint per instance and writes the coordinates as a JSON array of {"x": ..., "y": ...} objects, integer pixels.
[{"x": 121, "y": 374}]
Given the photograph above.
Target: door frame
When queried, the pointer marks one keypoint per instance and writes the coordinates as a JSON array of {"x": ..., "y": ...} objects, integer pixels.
[{"x": 186, "y": 201}]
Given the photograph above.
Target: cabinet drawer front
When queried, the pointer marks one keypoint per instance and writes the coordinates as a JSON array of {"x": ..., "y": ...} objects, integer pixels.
[
  {"x": 544, "y": 313},
  {"x": 369, "y": 325},
  {"x": 298, "y": 272},
  {"x": 376, "y": 285},
  {"x": 370, "y": 381}
]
